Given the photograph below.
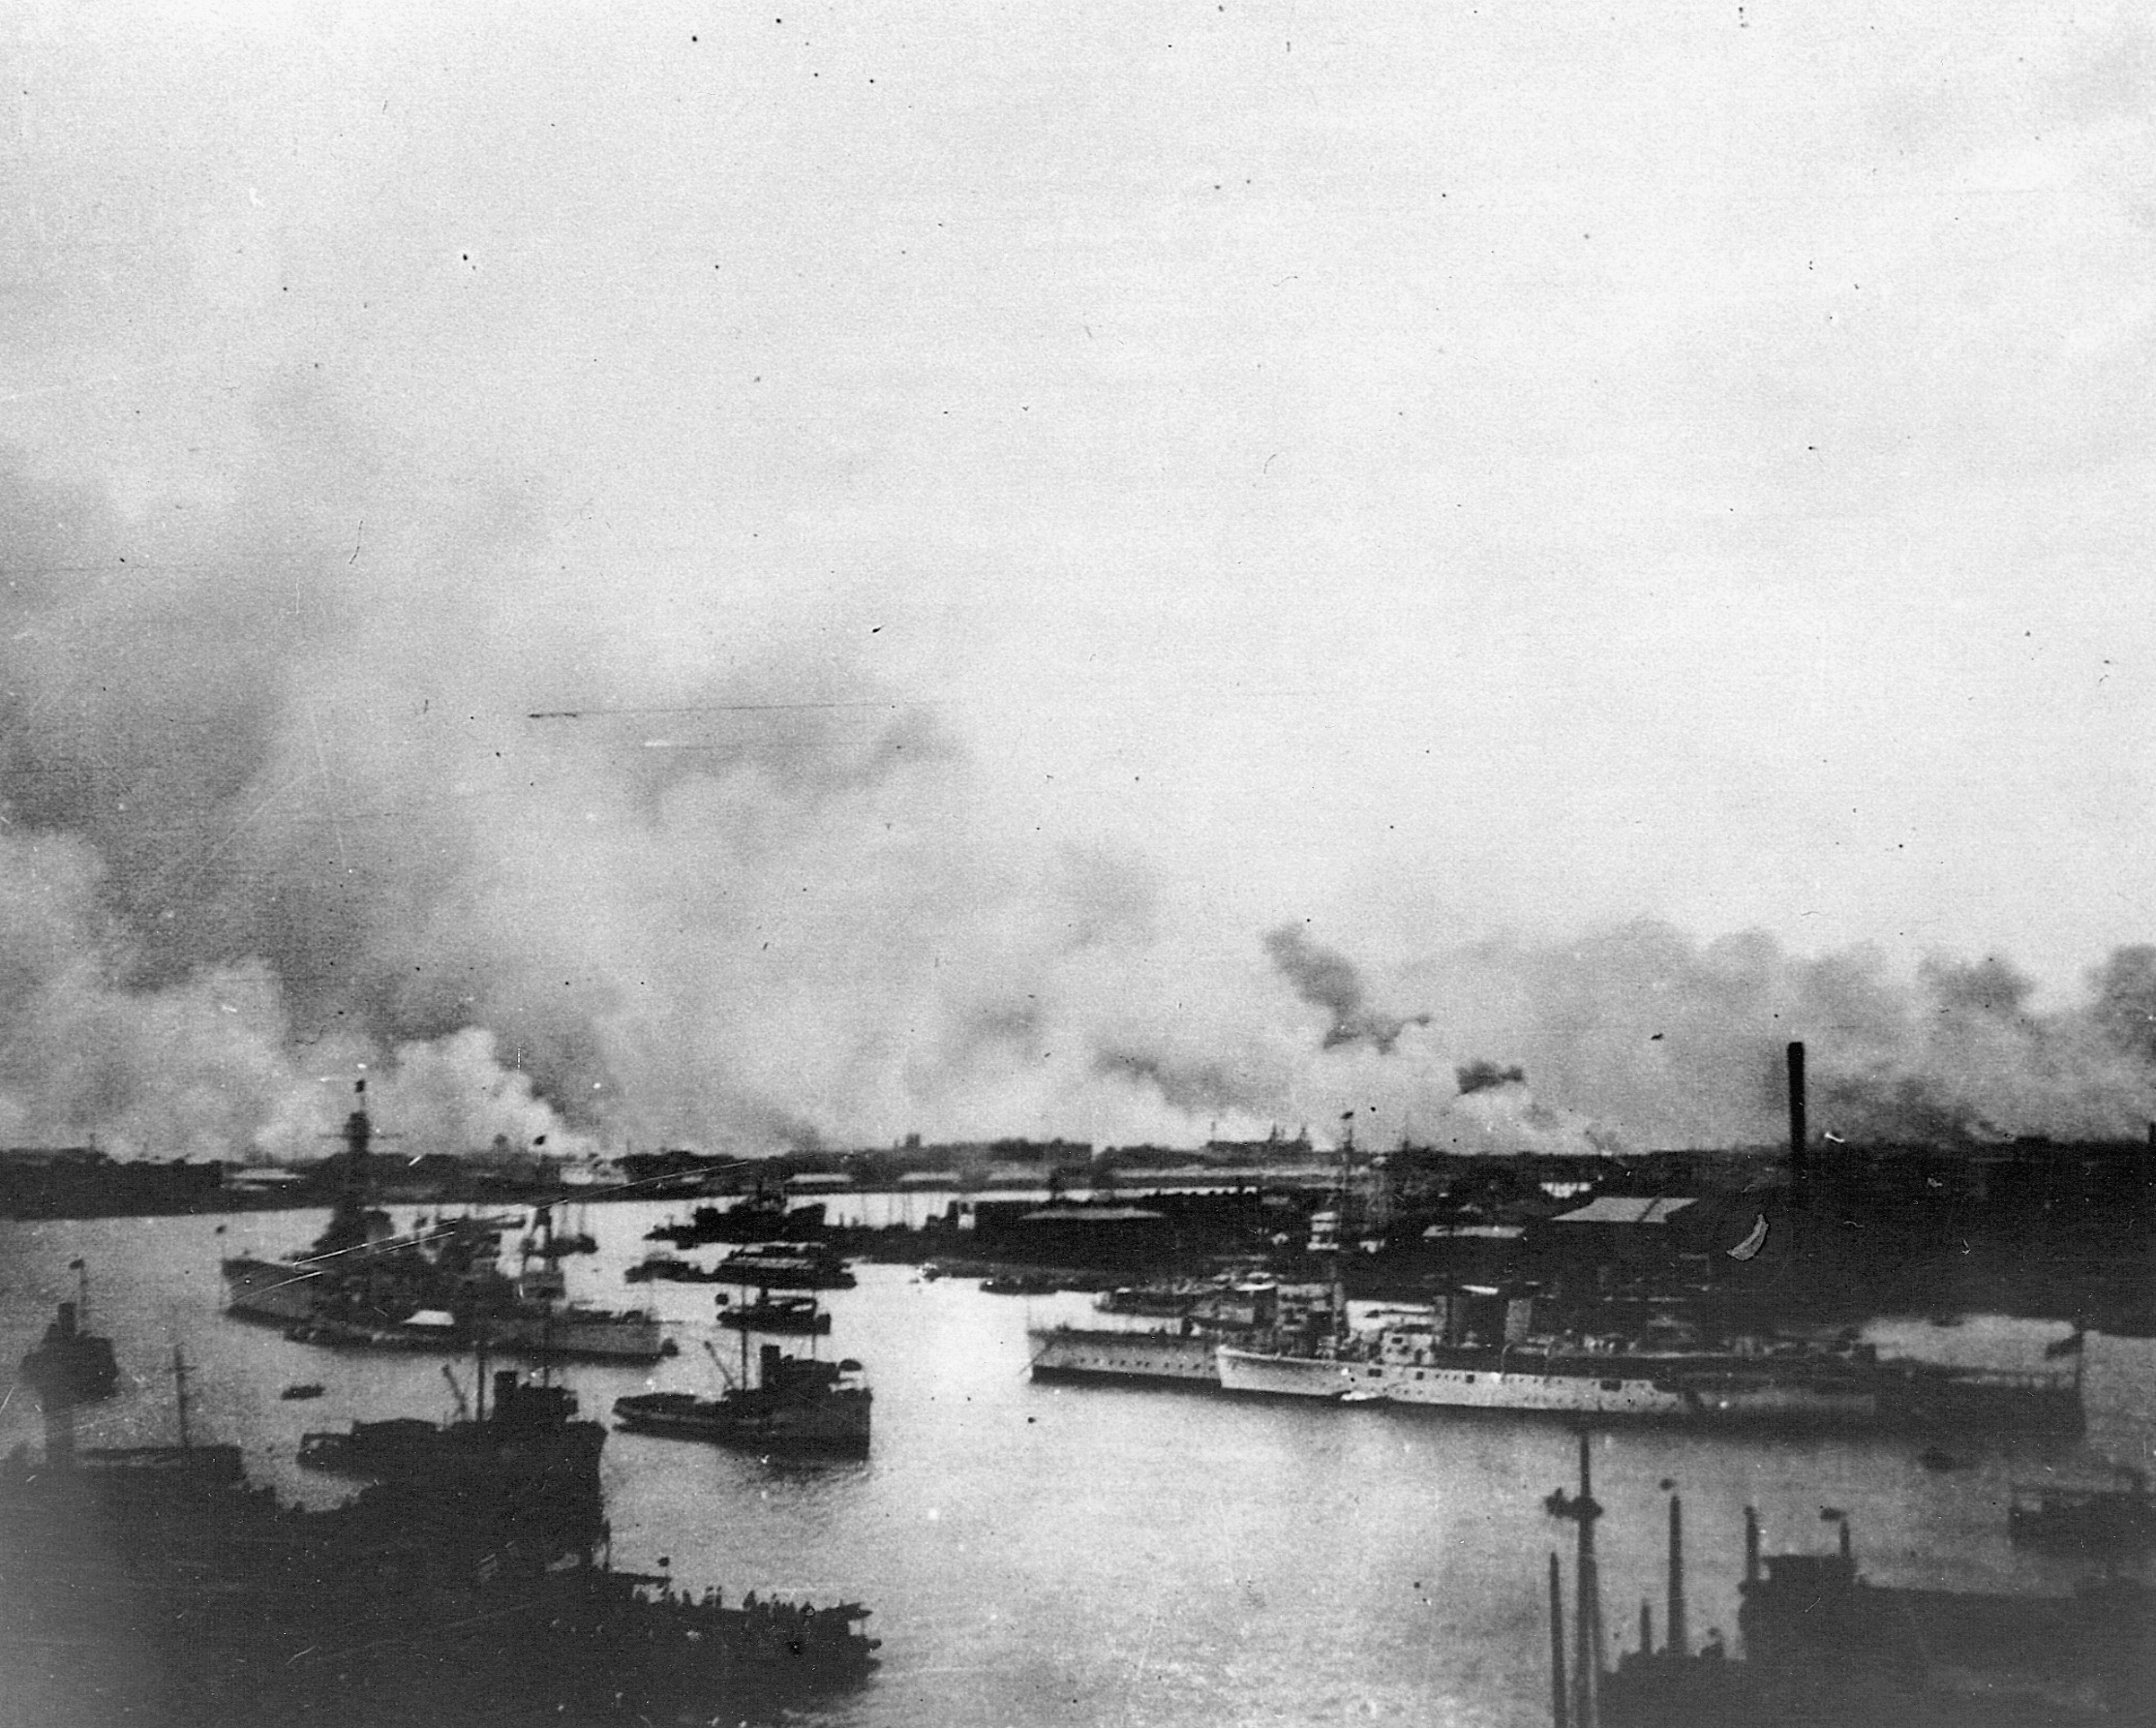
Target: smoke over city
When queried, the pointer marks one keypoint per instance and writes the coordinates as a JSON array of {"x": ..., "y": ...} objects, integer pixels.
[{"x": 294, "y": 791}]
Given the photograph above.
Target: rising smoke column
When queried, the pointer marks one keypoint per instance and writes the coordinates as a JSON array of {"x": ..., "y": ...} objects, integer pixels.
[{"x": 1328, "y": 979}]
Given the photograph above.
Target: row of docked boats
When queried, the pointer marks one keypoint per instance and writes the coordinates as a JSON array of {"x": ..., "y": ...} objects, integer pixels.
[{"x": 1482, "y": 1349}]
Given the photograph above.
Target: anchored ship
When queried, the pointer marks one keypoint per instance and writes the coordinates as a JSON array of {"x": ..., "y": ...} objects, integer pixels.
[
  {"x": 528, "y": 1452},
  {"x": 796, "y": 1406},
  {"x": 796, "y": 1316}
]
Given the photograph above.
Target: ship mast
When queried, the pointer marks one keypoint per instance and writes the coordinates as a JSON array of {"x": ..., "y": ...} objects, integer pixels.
[
  {"x": 1587, "y": 1666},
  {"x": 1340, "y": 1231},
  {"x": 179, "y": 1382}
]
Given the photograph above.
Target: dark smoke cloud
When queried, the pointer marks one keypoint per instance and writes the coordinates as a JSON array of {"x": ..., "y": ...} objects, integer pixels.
[
  {"x": 1480, "y": 1074},
  {"x": 1329, "y": 980}
]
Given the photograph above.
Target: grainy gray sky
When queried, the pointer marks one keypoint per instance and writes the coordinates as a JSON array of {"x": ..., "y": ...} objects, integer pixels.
[{"x": 1439, "y": 472}]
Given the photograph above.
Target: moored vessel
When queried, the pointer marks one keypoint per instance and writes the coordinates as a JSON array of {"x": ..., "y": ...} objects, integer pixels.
[
  {"x": 795, "y": 1317},
  {"x": 796, "y": 1406}
]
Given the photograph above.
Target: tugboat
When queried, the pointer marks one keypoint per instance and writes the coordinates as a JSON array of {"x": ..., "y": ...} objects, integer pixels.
[
  {"x": 529, "y": 1446},
  {"x": 798, "y": 1407},
  {"x": 795, "y": 1317},
  {"x": 70, "y": 1358}
]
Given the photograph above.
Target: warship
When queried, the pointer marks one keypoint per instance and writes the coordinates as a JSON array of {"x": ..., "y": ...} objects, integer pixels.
[{"x": 362, "y": 1286}]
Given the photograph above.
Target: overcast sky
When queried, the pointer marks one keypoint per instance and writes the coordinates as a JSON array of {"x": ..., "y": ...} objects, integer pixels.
[{"x": 1436, "y": 472}]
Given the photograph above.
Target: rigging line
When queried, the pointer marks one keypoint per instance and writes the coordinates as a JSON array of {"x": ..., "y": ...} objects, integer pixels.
[{"x": 716, "y": 707}]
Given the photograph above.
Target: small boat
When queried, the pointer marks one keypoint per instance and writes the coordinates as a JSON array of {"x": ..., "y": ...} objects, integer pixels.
[
  {"x": 307, "y": 1389},
  {"x": 797, "y": 1317},
  {"x": 1938, "y": 1458},
  {"x": 796, "y": 1408}
]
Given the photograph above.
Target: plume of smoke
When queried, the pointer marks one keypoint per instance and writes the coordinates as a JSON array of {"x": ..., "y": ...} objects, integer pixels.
[
  {"x": 1329, "y": 980},
  {"x": 1482, "y": 1074}
]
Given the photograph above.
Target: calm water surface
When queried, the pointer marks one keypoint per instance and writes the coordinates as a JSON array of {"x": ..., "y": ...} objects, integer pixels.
[{"x": 1057, "y": 1555}]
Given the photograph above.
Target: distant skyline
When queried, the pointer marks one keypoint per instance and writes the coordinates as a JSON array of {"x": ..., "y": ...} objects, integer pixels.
[{"x": 1469, "y": 487}]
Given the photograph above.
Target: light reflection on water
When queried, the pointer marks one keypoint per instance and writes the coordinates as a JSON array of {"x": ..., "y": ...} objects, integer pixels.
[{"x": 1056, "y": 1554}]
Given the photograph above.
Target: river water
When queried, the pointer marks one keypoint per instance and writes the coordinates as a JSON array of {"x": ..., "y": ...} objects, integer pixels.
[{"x": 1053, "y": 1555}]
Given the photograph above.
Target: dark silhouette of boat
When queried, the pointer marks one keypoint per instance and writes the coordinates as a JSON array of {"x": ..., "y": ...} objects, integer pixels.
[
  {"x": 795, "y": 1317},
  {"x": 796, "y": 1407},
  {"x": 787, "y": 1266},
  {"x": 759, "y": 1218},
  {"x": 672, "y": 1270},
  {"x": 1026, "y": 1284},
  {"x": 70, "y": 1358},
  {"x": 528, "y": 1452},
  {"x": 305, "y": 1389},
  {"x": 2086, "y": 1521}
]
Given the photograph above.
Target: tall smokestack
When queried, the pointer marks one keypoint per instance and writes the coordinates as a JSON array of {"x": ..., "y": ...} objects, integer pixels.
[
  {"x": 1560, "y": 1701},
  {"x": 1797, "y": 1136},
  {"x": 1679, "y": 1635},
  {"x": 1752, "y": 1546}
]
